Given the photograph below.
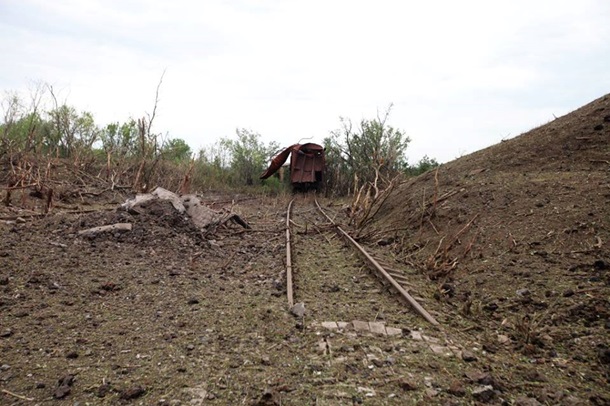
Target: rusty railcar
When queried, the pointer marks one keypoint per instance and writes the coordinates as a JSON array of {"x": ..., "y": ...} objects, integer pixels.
[{"x": 306, "y": 165}]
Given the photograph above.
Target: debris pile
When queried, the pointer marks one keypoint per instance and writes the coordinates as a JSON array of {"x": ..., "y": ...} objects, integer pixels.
[{"x": 202, "y": 217}]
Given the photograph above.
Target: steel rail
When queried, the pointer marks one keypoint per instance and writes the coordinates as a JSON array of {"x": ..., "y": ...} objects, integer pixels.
[
  {"x": 289, "y": 259},
  {"x": 383, "y": 272}
]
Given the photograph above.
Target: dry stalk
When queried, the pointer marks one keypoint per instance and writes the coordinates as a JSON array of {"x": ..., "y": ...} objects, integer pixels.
[{"x": 185, "y": 187}]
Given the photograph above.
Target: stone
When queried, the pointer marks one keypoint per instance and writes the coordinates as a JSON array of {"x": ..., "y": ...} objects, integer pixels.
[
  {"x": 368, "y": 392},
  {"x": 416, "y": 335},
  {"x": 431, "y": 392},
  {"x": 360, "y": 325},
  {"x": 6, "y": 333},
  {"x": 377, "y": 327},
  {"x": 456, "y": 389},
  {"x": 63, "y": 386},
  {"x": 407, "y": 385},
  {"x": 298, "y": 310},
  {"x": 72, "y": 355},
  {"x": 392, "y": 331},
  {"x": 198, "y": 394},
  {"x": 475, "y": 375},
  {"x": 378, "y": 363},
  {"x": 133, "y": 392},
  {"x": 503, "y": 339},
  {"x": 62, "y": 391},
  {"x": 484, "y": 393},
  {"x": 331, "y": 325},
  {"x": 468, "y": 356},
  {"x": 439, "y": 349}
]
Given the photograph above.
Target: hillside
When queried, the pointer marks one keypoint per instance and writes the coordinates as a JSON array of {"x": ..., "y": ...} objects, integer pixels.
[{"x": 517, "y": 238}]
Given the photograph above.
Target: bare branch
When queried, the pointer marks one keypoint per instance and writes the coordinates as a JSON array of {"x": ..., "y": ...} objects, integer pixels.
[{"x": 154, "y": 113}]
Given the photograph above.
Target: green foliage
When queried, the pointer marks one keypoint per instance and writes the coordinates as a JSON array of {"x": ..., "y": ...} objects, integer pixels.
[
  {"x": 249, "y": 156},
  {"x": 424, "y": 165},
  {"x": 373, "y": 153},
  {"x": 176, "y": 150},
  {"x": 23, "y": 129},
  {"x": 71, "y": 133},
  {"x": 337, "y": 176},
  {"x": 120, "y": 140},
  {"x": 129, "y": 153},
  {"x": 273, "y": 185}
]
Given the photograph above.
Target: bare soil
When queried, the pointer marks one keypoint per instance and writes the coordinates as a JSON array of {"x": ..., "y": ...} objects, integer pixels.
[{"x": 509, "y": 248}]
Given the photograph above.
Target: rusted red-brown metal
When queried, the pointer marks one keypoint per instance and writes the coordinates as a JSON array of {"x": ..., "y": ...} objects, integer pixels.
[
  {"x": 306, "y": 164},
  {"x": 277, "y": 162}
]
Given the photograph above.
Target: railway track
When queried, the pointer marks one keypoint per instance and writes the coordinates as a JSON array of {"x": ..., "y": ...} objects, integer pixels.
[{"x": 330, "y": 273}]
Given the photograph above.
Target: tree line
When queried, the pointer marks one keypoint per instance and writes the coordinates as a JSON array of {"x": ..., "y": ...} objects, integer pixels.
[{"x": 132, "y": 154}]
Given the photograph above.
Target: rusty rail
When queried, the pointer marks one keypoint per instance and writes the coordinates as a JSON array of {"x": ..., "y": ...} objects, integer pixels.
[
  {"x": 289, "y": 259},
  {"x": 381, "y": 271}
]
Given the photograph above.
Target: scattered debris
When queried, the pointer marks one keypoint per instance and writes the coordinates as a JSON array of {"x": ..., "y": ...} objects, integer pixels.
[
  {"x": 202, "y": 216},
  {"x": 484, "y": 393},
  {"x": 468, "y": 356},
  {"x": 63, "y": 386},
  {"x": 15, "y": 395},
  {"x": 298, "y": 310},
  {"x": 104, "y": 229},
  {"x": 133, "y": 392}
]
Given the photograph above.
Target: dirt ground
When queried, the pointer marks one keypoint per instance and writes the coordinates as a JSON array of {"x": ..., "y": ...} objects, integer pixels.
[{"x": 509, "y": 248}]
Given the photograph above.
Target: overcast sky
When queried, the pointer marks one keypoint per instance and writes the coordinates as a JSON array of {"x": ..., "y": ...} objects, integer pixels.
[{"x": 462, "y": 75}]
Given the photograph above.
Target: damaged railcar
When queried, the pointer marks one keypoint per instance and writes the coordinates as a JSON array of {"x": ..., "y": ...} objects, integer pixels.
[{"x": 307, "y": 165}]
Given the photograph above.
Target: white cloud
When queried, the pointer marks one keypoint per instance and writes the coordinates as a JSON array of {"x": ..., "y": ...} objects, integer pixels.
[{"x": 462, "y": 75}]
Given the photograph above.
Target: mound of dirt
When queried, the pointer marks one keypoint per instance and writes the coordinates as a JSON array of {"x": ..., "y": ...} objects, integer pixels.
[{"x": 517, "y": 236}]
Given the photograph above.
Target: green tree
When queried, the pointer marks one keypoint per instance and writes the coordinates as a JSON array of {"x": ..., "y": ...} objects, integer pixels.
[
  {"x": 120, "y": 139},
  {"x": 248, "y": 156},
  {"x": 176, "y": 150},
  {"x": 212, "y": 167},
  {"x": 23, "y": 128},
  {"x": 424, "y": 165},
  {"x": 373, "y": 153},
  {"x": 72, "y": 133}
]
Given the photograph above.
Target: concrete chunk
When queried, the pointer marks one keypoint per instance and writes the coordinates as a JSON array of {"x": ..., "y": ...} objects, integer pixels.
[
  {"x": 331, "y": 325},
  {"x": 392, "y": 331},
  {"x": 377, "y": 327},
  {"x": 439, "y": 349},
  {"x": 360, "y": 325},
  {"x": 298, "y": 310}
]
